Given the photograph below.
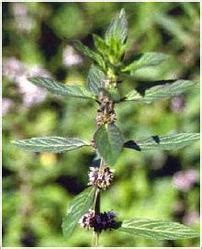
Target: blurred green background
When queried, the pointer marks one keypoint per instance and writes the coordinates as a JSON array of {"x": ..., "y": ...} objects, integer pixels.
[{"x": 37, "y": 188}]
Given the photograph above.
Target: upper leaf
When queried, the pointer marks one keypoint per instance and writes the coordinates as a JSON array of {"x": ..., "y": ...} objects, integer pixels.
[
  {"x": 79, "y": 206},
  {"x": 169, "y": 142},
  {"x": 115, "y": 38},
  {"x": 117, "y": 30},
  {"x": 146, "y": 60},
  {"x": 100, "y": 45},
  {"x": 50, "y": 144},
  {"x": 157, "y": 230},
  {"x": 109, "y": 142},
  {"x": 90, "y": 53},
  {"x": 61, "y": 89},
  {"x": 161, "y": 91},
  {"x": 96, "y": 79}
]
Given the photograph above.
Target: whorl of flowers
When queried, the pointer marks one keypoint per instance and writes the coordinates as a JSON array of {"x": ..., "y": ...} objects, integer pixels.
[
  {"x": 98, "y": 222},
  {"x": 100, "y": 177}
]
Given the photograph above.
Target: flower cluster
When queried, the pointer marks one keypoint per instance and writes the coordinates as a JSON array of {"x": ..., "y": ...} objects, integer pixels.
[
  {"x": 106, "y": 113},
  {"x": 98, "y": 222},
  {"x": 185, "y": 179},
  {"x": 100, "y": 177}
]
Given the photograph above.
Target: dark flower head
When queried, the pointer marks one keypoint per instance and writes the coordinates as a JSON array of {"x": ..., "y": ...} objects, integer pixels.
[{"x": 98, "y": 222}]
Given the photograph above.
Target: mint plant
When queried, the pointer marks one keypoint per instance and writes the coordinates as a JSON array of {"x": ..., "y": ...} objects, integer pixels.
[{"x": 106, "y": 74}]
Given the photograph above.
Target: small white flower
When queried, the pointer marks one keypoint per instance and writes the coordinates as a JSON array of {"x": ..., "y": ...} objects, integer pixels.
[{"x": 70, "y": 57}]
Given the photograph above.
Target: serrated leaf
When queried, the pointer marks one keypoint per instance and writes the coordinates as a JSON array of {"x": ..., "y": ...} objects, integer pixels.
[
  {"x": 96, "y": 79},
  {"x": 146, "y": 60},
  {"x": 50, "y": 144},
  {"x": 157, "y": 230},
  {"x": 61, "y": 89},
  {"x": 161, "y": 91},
  {"x": 90, "y": 53},
  {"x": 117, "y": 30},
  {"x": 169, "y": 142},
  {"x": 109, "y": 142},
  {"x": 79, "y": 206}
]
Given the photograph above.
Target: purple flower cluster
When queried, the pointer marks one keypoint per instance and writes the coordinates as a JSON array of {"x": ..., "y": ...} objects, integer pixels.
[
  {"x": 177, "y": 104},
  {"x": 98, "y": 222},
  {"x": 23, "y": 21},
  {"x": 100, "y": 177},
  {"x": 184, "y": 180}
]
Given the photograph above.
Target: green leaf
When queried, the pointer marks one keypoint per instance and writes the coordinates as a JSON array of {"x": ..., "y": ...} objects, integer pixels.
[
  {"x": 96, "y": 79},
  {"x": 90, "y": 53},
  {"x": 161, "y": 91},
  {"x": 61, "y": 89},
  {"x": 100, "y": 45},
  {"x": 117, "y": 30},
  {"x": 50, "y": 144},
  {"x": 157, "y": 230},
  {"x": 79, "y": 206},
  {"x": 109, "y": 142},
  {"x": 115, "y": 38},
  {"x": 146, "y": 60},
  {"x": 169, "y": 142}
]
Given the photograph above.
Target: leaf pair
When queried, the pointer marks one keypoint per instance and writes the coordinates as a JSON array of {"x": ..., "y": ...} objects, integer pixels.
[
  {"x": 109, "y": 142},
  {"x": 96, "y": 81}
]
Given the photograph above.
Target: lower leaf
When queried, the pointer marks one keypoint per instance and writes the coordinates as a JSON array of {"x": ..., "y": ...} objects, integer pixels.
[
  {"x": 50, "y": 144},
  {"x": 156, "y": 229},
  {"x": 79, "y": 206},
  {"x": 169, "y": 142}
]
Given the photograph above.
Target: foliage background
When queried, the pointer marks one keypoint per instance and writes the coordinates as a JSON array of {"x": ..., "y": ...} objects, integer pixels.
[{"x": 38, "y": 187}]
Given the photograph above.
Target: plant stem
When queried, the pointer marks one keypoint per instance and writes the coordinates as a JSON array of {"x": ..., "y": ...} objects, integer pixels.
[
  {"x": 96, "y": 205},
  {"x": 95, "y": 239}
]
